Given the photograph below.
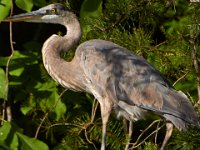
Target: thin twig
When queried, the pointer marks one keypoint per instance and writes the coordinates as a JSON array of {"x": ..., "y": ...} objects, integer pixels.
[
  {"x": 180, "y": 79},
  {"x": 9, "y": 113},
  {"x": 134, "y": 144},
  {"x": 162, "y": 43},
  {"x": 146, "y": 130},
  {"x": 157, "y": 132},
  {"x": 46, "y": 114},
  {"x": 7, "y": 109},
  {"x": 194, "y": 54},
  {"x": 38, "y": 129},
  {"x": 130, "y": 132},
  {"x": 93, "y": 113},
  {"x": 66, "y": 124},
  {"x": 3, "y": 111},
  {"x": 191, "y": 99},
  {"x": 148, "y": 137},
  {"x": 88, "y": 140}
]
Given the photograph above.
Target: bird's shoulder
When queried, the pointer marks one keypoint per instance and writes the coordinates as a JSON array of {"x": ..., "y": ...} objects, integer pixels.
[
  {"x": 130, "y": 79},
  {"x": 98, "y": 46},
  {"x": 109, "y": 64},
  {"x": 105, "y": 56}
]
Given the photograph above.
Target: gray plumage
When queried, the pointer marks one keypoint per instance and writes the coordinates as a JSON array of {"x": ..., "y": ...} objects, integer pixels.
[
  {"x": 119, "y": 79},
  {"x": 130, "y": 79}
]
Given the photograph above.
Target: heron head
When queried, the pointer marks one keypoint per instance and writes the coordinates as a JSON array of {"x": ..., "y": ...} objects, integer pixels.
[{"x": 53, "y": 13}]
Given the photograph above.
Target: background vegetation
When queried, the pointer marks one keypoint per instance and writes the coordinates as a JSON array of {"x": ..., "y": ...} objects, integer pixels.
[{"x": 37, "y": 113}]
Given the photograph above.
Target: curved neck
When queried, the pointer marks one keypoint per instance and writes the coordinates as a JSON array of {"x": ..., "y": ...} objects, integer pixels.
[
  {"x": 65, "y": 73},
  {"x": 73, "y": 32}
]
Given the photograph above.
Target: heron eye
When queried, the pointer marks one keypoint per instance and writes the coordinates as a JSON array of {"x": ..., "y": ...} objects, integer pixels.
[{"x": 53, "y": 11}]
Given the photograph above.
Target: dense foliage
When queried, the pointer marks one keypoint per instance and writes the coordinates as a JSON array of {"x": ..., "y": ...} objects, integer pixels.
[{"x": 37, "y": 113}]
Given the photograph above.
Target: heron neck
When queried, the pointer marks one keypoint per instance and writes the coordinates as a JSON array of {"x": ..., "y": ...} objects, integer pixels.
[
  {"x": 65, "y": 73},
  {"x": 73, "y": 32}
]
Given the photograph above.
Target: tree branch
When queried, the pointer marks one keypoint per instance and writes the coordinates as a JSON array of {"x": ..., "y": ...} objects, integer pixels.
[
  {"x": 136, "y": 144},
  {"x": 7, "y": 108},
  {"x": 45, "y": 116},
  {"x": 196, "y": 67}
]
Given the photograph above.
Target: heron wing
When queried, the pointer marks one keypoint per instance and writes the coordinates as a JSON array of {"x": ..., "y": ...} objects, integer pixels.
[{"x": 127, "y": 77}]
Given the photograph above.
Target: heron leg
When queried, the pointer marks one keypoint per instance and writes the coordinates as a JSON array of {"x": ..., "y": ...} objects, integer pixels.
[
  {"x": 169, "y": 129},
  {"x": 105, "y": 113},
  {"x": 130, "y": 132}
]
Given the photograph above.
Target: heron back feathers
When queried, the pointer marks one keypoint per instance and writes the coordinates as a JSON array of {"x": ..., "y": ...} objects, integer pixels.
[{"x": 135, "y": 87}]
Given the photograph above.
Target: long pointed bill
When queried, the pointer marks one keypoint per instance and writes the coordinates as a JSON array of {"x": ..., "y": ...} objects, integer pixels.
[{"x": 29, "y": 17}]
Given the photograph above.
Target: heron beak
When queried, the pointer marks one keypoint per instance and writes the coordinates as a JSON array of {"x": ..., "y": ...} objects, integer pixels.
[{"x": 28, "y": 17}]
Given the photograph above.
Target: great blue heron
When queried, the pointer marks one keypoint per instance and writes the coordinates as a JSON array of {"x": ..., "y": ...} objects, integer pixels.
[{"x": 118, "y": 78}]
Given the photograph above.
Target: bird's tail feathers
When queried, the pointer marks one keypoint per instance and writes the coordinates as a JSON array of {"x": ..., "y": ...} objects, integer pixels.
[{"x": 180, "y": 111}]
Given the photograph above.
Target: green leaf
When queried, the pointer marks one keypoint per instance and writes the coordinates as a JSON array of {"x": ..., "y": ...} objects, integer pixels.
[
  {"x": 18, "y": 55},
  {"x": 16, "y": 67},
  {"x": 90, "y": 9},
  {"x": 19, "y": 60},
  {"x": 26, "y": 5},
  {"x": 11, "y": 138},
  {"x": 60, "y": 107},
  {"x": 47, "y": 86},
  {"x": 4, "y": 131},
  {"x": 8, "y": 138},
  {"x": 17, "y": 72},
  {"x": 27, "y": 143},
  {"x": 25, "y": 109},
  {"x": 53, "y": 102},
  {"x": 3, "y": 61},
  {"x": 3, "y": 85},
  {"x": 5, "y": 6}
]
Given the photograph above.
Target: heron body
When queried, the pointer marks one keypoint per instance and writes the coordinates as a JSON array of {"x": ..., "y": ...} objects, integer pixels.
[{"x": 119, "y": 79}]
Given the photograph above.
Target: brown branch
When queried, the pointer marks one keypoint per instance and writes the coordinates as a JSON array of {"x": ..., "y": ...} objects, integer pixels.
[
  {"x": 46, "y": 114},
  {"x": 79, "y": 126},
  {"x": 196, "y": 67},
  {"x": 135, "y": 145},
  {"x": 130, "y": 132},
  {"x": 190, "y": 97},
  {"x": 93, "y": 113},
  {"x": 180, "y": 79},
  {"x": 84, "y": 127},
  {"x": 155, "y": 131},
  {"x": 162, "y": 43},
  {"x": 7, "y": 109},
  {"x": 9, "y": 113},
  {"x": 66, "y": 124},
  {"x": 88, "y": 140},
  {"x": 3, "y": 111}
]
